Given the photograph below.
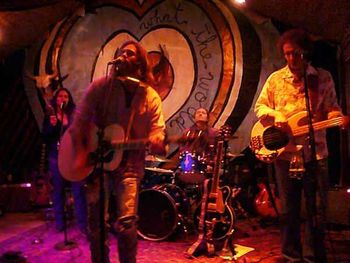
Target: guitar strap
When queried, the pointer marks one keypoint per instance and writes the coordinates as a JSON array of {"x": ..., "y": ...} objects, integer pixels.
[
  {"x": 130, "y": 122},
  {"x": 135, "y": 102}
]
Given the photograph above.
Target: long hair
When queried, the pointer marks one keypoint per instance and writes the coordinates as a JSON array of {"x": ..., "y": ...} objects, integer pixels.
[
  {"x": 299, "y": 37},
  {"x": 145, "y": 70},
  {"x": 70, "y": 105}
]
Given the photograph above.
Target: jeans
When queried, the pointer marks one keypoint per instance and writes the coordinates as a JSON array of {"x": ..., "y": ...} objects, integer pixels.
[
  {"x": 124, "y": 189},
  {"x": 58, "y": 197},
  {"x": 315, "y": 181}
]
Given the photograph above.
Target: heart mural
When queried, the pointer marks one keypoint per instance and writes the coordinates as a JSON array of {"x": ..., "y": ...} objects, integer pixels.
[{"x": 207, "y": 54}]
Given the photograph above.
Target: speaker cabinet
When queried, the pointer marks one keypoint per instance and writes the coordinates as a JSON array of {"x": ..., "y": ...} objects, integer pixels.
[
  {"x": 16, "y": 197},
  {"x": 338, "y": 206}
]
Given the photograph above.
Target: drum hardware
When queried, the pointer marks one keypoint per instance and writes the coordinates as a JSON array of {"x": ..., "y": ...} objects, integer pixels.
[
  {"x": 157, "y": 176},
  {"x": 156, "y": 158},
  {"x": 159, "y": 170},
  {"x": 233, "y": 156}
]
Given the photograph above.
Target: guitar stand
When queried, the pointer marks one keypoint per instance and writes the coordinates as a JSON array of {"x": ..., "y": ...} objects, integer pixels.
[{"x": 228, "y": 251}]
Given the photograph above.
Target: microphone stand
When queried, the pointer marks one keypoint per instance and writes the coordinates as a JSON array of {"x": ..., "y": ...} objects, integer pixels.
[
  {"x": 313, "y": 163},
  {"x": 99, "y": 158},
  {"x": 99, "y": 167},
  {"x": 66, "y": 244}
]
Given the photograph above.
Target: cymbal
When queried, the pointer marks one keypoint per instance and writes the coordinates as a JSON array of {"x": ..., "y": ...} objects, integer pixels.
[
  {"x": 155, "y": 158},
  {"x": 158, "y": 170}
]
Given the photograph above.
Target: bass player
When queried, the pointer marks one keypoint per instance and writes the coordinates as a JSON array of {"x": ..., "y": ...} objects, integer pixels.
[{"x": 283, "y": 96}]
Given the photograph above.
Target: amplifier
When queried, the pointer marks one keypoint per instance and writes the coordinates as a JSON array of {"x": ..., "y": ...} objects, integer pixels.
[
  {"x": 16, "y": 197},
  {"x": 338, "y": 206}
]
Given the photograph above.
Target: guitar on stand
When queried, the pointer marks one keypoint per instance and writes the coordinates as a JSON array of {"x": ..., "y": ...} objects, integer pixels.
[
  {"x": 41, "y": 179},
  {"x": 216, "y": 217},
  {"x": 41, "y": 188}
]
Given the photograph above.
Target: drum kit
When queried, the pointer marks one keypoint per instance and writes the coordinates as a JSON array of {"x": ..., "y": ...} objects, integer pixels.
[{"x": 169, "y": 200}]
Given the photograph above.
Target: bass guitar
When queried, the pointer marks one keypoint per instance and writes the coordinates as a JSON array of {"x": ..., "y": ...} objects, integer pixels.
[{"x": 268, "y": 141}]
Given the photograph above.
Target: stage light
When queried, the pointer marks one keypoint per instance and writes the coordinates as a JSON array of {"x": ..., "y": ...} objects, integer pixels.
[
  {"x": 348, "y": 190},
  {"x": 240, "y": 2}
]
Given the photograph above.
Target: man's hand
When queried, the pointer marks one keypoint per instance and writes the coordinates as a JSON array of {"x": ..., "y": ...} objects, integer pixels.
[
  {"x": 157, "y": 145},
  {"x": 334, "y": 114},
  {"x": 280, "y": 119}
]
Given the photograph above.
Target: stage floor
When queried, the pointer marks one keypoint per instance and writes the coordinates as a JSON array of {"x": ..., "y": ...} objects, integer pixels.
[{"x": 20, "y": 232}]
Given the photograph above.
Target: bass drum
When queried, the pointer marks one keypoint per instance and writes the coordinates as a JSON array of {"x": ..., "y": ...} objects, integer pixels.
[{"x": 160, "y": 209}]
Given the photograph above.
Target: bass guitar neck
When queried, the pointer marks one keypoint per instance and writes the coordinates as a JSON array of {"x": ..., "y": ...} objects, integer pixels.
[{"x": 268, "y": 142}]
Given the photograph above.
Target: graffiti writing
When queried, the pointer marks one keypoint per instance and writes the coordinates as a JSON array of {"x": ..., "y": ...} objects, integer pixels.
[
  {"x": 203, "y": 38},
  {"x": 180, "y": 120},
  {"x": 157, "y": 19}
]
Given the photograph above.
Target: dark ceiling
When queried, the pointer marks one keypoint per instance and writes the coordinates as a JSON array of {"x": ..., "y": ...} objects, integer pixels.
[{"x": 23, "y": 22}]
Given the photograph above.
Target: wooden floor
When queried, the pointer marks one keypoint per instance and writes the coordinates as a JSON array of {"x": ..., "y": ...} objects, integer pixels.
[{"x": 33, "y": 237}]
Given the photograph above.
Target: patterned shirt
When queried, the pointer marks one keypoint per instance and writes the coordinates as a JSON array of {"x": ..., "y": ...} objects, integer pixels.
[{"x": 283, "y": 93}]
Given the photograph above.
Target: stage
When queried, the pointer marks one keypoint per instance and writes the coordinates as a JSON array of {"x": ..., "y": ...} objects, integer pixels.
[{"x": 34, "y": 237}]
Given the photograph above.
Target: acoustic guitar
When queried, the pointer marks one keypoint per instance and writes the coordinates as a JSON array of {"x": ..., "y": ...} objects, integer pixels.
[
  {"x": 77, "y": 159},
  {"x": 268, "y": 141}
]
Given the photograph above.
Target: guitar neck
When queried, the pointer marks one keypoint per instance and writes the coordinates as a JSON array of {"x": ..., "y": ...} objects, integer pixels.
[
  {"x": 302, "y": 130},
  {"x": 216, "y": 172},
  {"x": 129, "y": 145},
  {"x": 139, "y": 143}
]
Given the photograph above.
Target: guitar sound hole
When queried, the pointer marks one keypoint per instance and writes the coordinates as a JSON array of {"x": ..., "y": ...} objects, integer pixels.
[{"x": 274, "y": 138}]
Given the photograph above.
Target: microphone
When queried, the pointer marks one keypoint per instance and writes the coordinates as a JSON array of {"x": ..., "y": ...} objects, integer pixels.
[
  {"x": 63, "y": 105},
  {"x": 119, "y": 64},
  {"x": 301, "y": 53},
  {"x": 117, "y": 61}
]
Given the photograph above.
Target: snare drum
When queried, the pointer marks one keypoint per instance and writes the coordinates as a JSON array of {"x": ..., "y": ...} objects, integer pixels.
[
  {"x": 192, "y": 168},
  {"x": 160, "y": 210}
]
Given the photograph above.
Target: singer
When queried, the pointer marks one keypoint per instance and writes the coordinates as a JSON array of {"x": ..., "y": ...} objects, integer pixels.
[
  {"x": 124, "y": 98},
  {"x": 57, "y": 119},
  {"x": 282, "y": 96}
]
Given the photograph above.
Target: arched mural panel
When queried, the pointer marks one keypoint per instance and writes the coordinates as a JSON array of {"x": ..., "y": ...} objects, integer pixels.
[{"x": 212, "y": 50}]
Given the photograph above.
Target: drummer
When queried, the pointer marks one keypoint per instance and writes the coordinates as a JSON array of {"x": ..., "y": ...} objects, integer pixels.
[{"x": 204, "y": 136}]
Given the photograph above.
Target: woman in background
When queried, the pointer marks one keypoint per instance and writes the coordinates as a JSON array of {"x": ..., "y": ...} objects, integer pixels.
[{"x": 57, "y": 119}]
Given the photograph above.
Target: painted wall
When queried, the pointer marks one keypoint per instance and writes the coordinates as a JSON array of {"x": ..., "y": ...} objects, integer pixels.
[{"x": 216, "y": 57}]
